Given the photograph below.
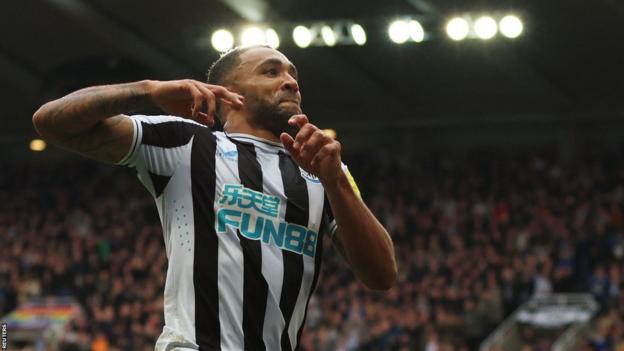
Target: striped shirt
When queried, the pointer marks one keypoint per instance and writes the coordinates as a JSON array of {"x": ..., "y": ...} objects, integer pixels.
[{"x": 243, "y": 227}]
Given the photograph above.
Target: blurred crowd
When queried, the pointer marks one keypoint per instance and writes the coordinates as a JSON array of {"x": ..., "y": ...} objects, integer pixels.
[
  {"x": 92, "y": 232},
  {"x": 475, "y": 237}
]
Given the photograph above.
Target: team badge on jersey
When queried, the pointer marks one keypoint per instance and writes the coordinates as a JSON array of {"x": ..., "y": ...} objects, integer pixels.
[
  {"x": 230, "y": 155},
  {"x": 309, "y": 176}
]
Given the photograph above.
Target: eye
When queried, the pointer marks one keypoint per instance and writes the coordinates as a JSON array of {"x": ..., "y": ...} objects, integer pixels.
[{"x": 271, "y": 72}]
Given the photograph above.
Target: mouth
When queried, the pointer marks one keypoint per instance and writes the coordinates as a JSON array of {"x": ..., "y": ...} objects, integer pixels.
[{"x": 290, "y": 98}]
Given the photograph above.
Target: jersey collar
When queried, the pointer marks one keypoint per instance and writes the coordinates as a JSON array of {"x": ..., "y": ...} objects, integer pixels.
[{"x": 259, "y": 142}]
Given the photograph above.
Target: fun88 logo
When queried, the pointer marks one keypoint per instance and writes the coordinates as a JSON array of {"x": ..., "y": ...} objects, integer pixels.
[{"x": 255, "y": 215}]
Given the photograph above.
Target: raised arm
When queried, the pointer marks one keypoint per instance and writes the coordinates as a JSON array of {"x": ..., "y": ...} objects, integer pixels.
[
  {"x": 92, "y": 121},
  {"x": 361, "y": 239}
]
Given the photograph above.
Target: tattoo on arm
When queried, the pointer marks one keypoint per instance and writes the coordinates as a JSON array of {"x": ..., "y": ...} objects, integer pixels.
[{"x": 81, "y": 110}]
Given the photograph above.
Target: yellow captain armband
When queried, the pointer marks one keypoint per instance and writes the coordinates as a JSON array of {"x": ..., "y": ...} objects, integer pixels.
[{"x": 352, "y": 183}]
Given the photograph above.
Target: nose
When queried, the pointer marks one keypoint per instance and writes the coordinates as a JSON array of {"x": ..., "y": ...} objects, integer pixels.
[{"x": 290, "y": 84}]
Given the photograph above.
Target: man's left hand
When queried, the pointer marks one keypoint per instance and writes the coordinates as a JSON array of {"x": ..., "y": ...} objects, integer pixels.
[{"x": 313, "y": 150}]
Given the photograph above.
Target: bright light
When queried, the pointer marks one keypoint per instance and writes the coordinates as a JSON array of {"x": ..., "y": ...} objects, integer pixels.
[
  {"x": 329, "y": 37},
  {"x": 222, "y": 40},
  {"x": 457, "y": 28},
  {"x": 416, "y": 31},
  {"x": 302, "y": 36},
  {"x": 358, "y": 34},
  {"x": 37, "y": 145},
  {"x": 511, "y": 26},
  {"x": 485, "y": 27},
  {"x": 253, "y": 36},
  {"x": 399, "y": 31},
  {"x": 272, "y": 38}
]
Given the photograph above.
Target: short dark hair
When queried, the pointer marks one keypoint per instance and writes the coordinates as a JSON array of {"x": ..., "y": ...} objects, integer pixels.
[
  {"x": 223, "y": 66},
  {"x": 220, "y": 70}
]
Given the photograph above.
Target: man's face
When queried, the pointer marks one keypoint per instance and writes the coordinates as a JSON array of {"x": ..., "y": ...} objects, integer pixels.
[{"x": 268, "y": 81}]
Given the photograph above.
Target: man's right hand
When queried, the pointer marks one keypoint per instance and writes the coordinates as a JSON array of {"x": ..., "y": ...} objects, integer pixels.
[
  {"x": 92, "y": 121},
  {"x": 186, "y": 98}
]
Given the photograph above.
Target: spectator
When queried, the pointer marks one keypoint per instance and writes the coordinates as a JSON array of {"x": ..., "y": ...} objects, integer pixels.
[{"x": 475, "y": 238}]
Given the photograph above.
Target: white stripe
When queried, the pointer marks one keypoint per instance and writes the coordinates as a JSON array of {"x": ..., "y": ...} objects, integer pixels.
[
  {"x": 163, "y": 119},
  {"x": 230, "y": 258},
  {"x": 136, "y": 138},
  {"x": 163, "y": 160},
  {"x": 316, "y": 196},
  {"x": 272, "y": 260},
  {"x": 176, "y": 212}
]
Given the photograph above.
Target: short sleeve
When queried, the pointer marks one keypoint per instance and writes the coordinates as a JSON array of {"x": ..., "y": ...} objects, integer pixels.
[{"x": 158, "y": 145}]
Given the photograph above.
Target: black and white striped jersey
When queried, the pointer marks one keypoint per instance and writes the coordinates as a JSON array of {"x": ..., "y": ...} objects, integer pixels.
[{"x": 243, "y": 228}]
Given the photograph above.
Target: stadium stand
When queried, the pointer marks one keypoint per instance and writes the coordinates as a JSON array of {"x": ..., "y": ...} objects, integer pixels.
[{"x": 475, "y": 236}]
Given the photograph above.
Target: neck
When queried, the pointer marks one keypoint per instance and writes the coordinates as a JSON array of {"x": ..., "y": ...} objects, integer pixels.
[{"x": 240, "y": 124}]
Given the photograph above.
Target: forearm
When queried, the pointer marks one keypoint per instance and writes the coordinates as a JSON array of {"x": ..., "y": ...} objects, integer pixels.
[
  {"x": 365, "y": 243},
  {"x": 79, "y": 111}
]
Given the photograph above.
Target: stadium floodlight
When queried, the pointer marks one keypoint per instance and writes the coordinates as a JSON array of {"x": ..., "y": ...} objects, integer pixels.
[
  {"x": 302, "y": 36},
  {"x": 416, "y": 31},
  {"x": 399, "y": 31},
  {"x": 222, "y": 40},
  {"x": 272, "y": 38},
  {"x": 37, "y": 145},
  {"x": 457, "y": 28},
  {"x": 485, "y": 27},
  {"x": 511, "y": 26},
  {"x": 358, "y": 34},
  {"x": 253, "y": 36},
  {"x": 328, "y": 35}
]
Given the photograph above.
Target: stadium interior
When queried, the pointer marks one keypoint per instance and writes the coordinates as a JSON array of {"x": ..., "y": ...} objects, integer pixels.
[{"x": 496, "y": 164}]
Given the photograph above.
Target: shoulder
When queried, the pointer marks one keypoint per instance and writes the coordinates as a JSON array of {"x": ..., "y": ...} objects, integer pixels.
[
  {"x": 166, "y": 131},
  {"x": 159, "y": 119}
]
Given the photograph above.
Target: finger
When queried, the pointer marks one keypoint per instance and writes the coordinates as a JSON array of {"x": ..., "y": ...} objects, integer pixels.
[
  {"x": 222, "y": 92},
  {"x": 325, "y": 151},
  {"x": 317, "y": 140},
  {"x": 298, "y": 120},
  {"x": 288, "y": 142},
  {"x": 198, "y": 100},
  {"x": 211, "y": 104},
  {"x": 304, "y": 134}
]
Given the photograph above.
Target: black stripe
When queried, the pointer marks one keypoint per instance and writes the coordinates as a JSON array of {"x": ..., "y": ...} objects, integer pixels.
[
  {"x": 159, "y": 181},
  {"x": 255, "y": 287},
  {"x": 326, "y": 217},
  {"x": 296, "y": 193},
  {"x": 169, "y": 134},
  {"x": 205, "y": 264}
]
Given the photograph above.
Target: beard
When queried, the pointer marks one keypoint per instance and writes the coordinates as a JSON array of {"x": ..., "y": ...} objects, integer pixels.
[{"x": 274, "y": 116}]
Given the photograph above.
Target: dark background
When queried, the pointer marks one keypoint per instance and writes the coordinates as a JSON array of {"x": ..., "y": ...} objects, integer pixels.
[
  {"x": 559, "y": 84},
  {"x": 464, "y": 150}
]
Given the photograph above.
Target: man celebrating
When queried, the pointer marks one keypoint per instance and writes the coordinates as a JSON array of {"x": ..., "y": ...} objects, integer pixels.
[{"x": 243, "y": 211}]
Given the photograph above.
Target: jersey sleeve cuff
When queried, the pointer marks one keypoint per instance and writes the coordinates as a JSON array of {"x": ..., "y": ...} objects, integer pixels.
[{"x": 128, "y": 159}]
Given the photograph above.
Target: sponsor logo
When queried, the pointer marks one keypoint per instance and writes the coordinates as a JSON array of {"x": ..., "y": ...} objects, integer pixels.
[
  {"x": 255, "y": 215},
  {"x": 231, "y": 155},
  {"x": 309, "y": 176}
]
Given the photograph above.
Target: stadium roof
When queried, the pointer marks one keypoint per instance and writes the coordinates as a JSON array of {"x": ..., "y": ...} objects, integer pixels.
[{"x": 568, "y": 62}]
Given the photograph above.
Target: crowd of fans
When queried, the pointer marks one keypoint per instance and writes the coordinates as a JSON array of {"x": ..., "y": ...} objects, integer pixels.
[
  {"x": 475, "y": 237},
  {"x": 91, "y": 232}
]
